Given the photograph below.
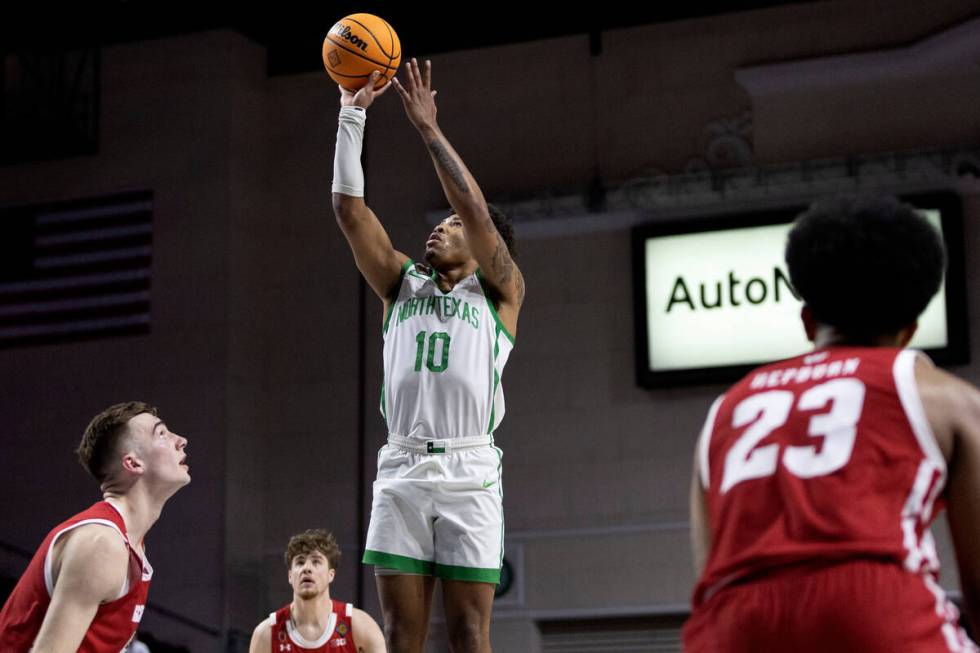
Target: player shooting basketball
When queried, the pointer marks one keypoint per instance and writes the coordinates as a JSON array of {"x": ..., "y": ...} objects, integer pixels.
[{"x": 449, "y": 328}]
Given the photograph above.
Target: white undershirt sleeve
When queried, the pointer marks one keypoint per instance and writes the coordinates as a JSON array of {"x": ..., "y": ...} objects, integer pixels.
[{"x": 348, "y": 176}]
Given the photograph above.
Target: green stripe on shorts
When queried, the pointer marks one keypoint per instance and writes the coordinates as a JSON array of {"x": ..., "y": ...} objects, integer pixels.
[
  {"x": 397, "y": 562},
  {"x": 473, "y": 574}
]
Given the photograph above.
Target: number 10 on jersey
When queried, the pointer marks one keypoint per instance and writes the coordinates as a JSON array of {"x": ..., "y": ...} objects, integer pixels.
[{"x": 436, "y": 354}]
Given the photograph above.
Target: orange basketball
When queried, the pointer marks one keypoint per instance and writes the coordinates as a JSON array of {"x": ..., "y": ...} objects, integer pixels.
[{"x": 356, "y": 46}]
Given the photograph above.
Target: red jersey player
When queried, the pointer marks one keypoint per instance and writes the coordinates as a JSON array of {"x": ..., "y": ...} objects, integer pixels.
[
  {"x": 816, "y": 478},
  {"x": 86, "y": 587},
  {"x": 313, "y": 621}
]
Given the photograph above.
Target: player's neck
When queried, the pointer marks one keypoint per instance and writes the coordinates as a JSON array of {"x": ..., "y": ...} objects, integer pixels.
[
  {"x": 447, "y": 278},
  {"x": 828, "y": 336},
  {"x": 139, "y": 512},
  {"x": 311, "y": 613}
]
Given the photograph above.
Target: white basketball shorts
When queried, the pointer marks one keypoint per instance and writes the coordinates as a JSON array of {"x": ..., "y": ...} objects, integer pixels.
[{"x": 438, "y": 509}]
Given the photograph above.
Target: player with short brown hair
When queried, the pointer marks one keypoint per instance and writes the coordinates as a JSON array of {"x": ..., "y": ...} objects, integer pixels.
[
  {"x": 85, "y": 589},
  {"x": 313, "y": 621}
]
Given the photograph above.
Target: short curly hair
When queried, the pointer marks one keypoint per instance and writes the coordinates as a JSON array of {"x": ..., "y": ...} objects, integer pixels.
[
  {"x": 102, "y": 436},
  {"x": 867, "y": 265},
  {"x": 505, "y": 227},
  {"x": 312, "y": 540}
]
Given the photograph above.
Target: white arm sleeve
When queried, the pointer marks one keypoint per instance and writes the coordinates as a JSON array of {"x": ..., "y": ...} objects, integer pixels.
[{"x": 348, "y": 177}]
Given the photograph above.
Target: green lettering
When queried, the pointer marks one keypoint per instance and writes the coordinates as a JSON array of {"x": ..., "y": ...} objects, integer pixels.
[
  {"x": 434, "y": 341},
  {"x": 420, "y": 340}
]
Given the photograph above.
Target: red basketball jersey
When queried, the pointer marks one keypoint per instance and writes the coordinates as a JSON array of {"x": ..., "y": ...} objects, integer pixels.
[
  {"x": 823, "y": 457},
  {"x": 338, "y": 635},
  {"x": 115, "y": 622}
]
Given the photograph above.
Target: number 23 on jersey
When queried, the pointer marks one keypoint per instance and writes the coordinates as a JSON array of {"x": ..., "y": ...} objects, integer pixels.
[{"x": 767, "y": 411}]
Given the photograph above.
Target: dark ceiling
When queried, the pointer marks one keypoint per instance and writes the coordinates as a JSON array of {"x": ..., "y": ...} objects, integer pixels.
[{"x": 293, "y": 33}]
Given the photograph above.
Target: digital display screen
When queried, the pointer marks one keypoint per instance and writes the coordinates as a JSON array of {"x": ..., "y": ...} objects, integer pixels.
[{"x": 715, "y": 300}]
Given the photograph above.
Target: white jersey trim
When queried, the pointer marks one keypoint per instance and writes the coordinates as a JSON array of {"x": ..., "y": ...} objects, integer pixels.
[
  {"x": 705, "y": 440},
  {"x": 908, "y": 394},
  {"x": 48, "y": 561},
  {"x": 957, "y": 641},
  {"x": 349, "y": 610},
  {"x": 305, "y": 643},
  {"x": 147, "y": 568},
  {"x": 917, "y": 510}
]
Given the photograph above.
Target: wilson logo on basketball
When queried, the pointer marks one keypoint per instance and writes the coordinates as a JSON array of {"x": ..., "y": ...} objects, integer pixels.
[{"x": 343, "y": 31}]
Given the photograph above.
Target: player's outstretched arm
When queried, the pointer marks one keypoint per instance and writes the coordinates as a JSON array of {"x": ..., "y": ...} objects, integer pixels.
[
  {"x": 261, "y": 638},
  {"x": 464, "y": 195},
  {"x": 89, "y": 570},
  {"x": 374, "y": 255},
  {"x": 367, "y": 635}
]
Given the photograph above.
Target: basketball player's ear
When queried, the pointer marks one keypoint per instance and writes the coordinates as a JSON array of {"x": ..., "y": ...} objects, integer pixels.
[
  {"x": 131, "y": 463},
  {"x": 809, "y": 323},
  {"x": 330, "y": 575}
]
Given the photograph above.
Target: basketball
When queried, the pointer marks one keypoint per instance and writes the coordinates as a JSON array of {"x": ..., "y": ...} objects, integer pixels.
[{"x": 356, "y": 46}]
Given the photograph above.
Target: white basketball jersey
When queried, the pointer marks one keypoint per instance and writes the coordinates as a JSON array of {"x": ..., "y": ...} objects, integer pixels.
[{"x": 444, "y": 354}]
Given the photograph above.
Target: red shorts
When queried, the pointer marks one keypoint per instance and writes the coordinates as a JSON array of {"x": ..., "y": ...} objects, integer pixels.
[{"x": 849, "y": 607}]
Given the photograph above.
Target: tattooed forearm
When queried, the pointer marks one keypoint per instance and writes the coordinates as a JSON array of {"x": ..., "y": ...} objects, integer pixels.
[
  {"x": 507, "y": 277},
  {"x": 449, "y": 165}
]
